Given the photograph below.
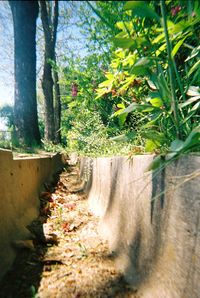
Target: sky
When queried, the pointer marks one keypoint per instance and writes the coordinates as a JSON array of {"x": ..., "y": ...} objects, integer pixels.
[
  {"x": 6, "y": 55},
  {"x": 70, "y": 37},
  {"x": 6, "y": 94}
]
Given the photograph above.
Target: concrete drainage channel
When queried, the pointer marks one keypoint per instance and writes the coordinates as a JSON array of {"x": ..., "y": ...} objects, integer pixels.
[
  {"x": 21, "y": 180},
  {"x": 151, "y": 221}
]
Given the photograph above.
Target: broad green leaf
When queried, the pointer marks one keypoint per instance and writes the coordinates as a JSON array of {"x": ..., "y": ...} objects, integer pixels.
[
  {"x": 153, "y": 123},
  {"x": 151, "y": 85},
  {"x": 156, "y": 163},
  {"x": 139, "y": 107},
  {"x": 189, "y": 101},
  {"x": 194, "y": 67},
  {"x": 151, "y": 145},
  {"x": 156, "y": 102},
  {"x": 194, "y": 53},
  {"x": 132, "y": 107},
  {"x": 154, "y": 136},
  {"x": 120, "y": 138},
  {"x": 121, "y": 34},
  {"x": 127, "y": 83},
  {"x": 159, "y": 38},
  {"x": 192, "y": 141},
  {"x": 160, "y": 81},
  {"x": 109, "y": 76},
  {"x": 141, "y": 9},
  {"x": 154, "y": 94},
  {"x": 124, "y": 137},
  {"x": 186, "y": 119},
  {"x": 131, "y": 135},
  {"x": 181, "y": 26},
  {"x": 122, "y": 119},
  {"x": 102, "y": 91},
  {"x": 177, "y": 46},
  {"x": 145, "y": 62},
  {"x": 121, "y": 105},
  {"x": 120, "y": 53},
  {"x": 72, "y": 104},
  {"x": 124, "y": 43},
  {"x": 124, "y": 26},
  {"x": 141, "y": 67},
  {"x": 105, "y": 83},
  {"x": 161, "y": 49},
  {"x": 193, "y": 91},
  {"x": 120, "y": 25},
  {"x": 117, "y": 113},
  {"x": 129, "y": 60},
  {"x": 176, "y": 145},
  {"x": 196, "y": 106}
]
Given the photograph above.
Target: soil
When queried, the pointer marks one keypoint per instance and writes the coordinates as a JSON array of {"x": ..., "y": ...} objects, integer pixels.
[{"x": 65, "y": 256}]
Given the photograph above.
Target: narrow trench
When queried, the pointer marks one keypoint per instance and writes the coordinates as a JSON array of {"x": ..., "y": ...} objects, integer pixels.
[{"x": 65, "y": 256}]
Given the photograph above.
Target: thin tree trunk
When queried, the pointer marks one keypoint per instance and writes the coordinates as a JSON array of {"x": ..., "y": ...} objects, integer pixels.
[
  {"x": 52, "y": 112},
  {"x": 47, "y": 79},
  {"x": 57, "y": 107},
  {"x": 47, "y": 86},
  {"x": 57, "y": 101},
  {"x": 25, "y": 105}
]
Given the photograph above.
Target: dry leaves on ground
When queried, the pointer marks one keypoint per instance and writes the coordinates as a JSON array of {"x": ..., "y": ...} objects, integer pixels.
[{"x": 69, "y": 259}]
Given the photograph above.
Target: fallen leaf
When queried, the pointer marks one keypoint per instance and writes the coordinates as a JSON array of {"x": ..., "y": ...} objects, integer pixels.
[
  {"x": 45, "y": 211},
  {"x": 70, "y": 206},
  {"x": 45, "y": 195},
  {"x": 51, "y": 238},
  {"x": 52, "y": 262},
  {"x": 66, "y": 227}
]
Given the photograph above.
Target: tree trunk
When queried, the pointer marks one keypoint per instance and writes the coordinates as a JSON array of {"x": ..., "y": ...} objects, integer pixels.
[
  {"x": 52, "y": 114},
  {"x": 57, "y": 107},
  {"x": 47, "y": 86},
  {"x": 25, "y": 105}
]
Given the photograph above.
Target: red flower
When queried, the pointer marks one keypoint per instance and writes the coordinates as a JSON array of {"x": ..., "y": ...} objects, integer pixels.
[
  {"x": 175, "y": 10},
  {"x": 74, "y": 90}
]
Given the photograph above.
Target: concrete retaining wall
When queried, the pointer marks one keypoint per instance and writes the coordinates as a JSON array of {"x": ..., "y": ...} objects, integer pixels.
[
  {"x": 21, "y": 181},
  {"x": 151, "y": 221}
]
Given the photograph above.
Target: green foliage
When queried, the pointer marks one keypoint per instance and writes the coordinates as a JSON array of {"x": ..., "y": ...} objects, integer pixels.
[
  {"x": 97, "y": 21},
  {"x": 141, "y": 9},
  {"x": 143, "y": 80},
  {"x": 137, "y": 90},
  {"x": 89, "y": 136},
  {"x": 51, "y": 147},
  {"x": 88, "y": 132},
  {"x": 6, "y": 112},
  {"x": 4, "y": 142}
]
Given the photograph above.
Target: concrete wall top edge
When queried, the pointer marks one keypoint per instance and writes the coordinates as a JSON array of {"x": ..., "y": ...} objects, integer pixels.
[
  {"x": 5, "y": 150},
  {"x": 33, "y": 157},
  {"x": 123, "y": 156},
  {"x": 26, "y": 157},
  {"x": 147, "y": 155}
]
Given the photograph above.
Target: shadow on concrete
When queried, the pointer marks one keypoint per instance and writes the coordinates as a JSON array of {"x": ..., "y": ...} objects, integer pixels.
[
  {"x": 23, "y": 278},
  {"x": 116, "y": 287}
]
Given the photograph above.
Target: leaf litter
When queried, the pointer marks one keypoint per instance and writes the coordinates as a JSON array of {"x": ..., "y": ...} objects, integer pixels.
[{"x": 65, "y": 257}]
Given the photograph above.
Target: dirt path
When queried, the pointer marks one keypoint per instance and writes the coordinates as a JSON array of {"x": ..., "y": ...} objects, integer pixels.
[{"x": 66, "y": 257}]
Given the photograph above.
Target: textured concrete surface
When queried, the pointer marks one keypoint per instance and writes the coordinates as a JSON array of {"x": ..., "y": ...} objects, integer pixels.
[
  {"x": 21, "y": 180},
  {"x": 151, "y": 221}
]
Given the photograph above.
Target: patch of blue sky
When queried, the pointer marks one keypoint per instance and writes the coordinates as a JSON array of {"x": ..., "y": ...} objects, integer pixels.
[
  {"x": 6, "y": 54},
  {"x": 70, "y": 41}
]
